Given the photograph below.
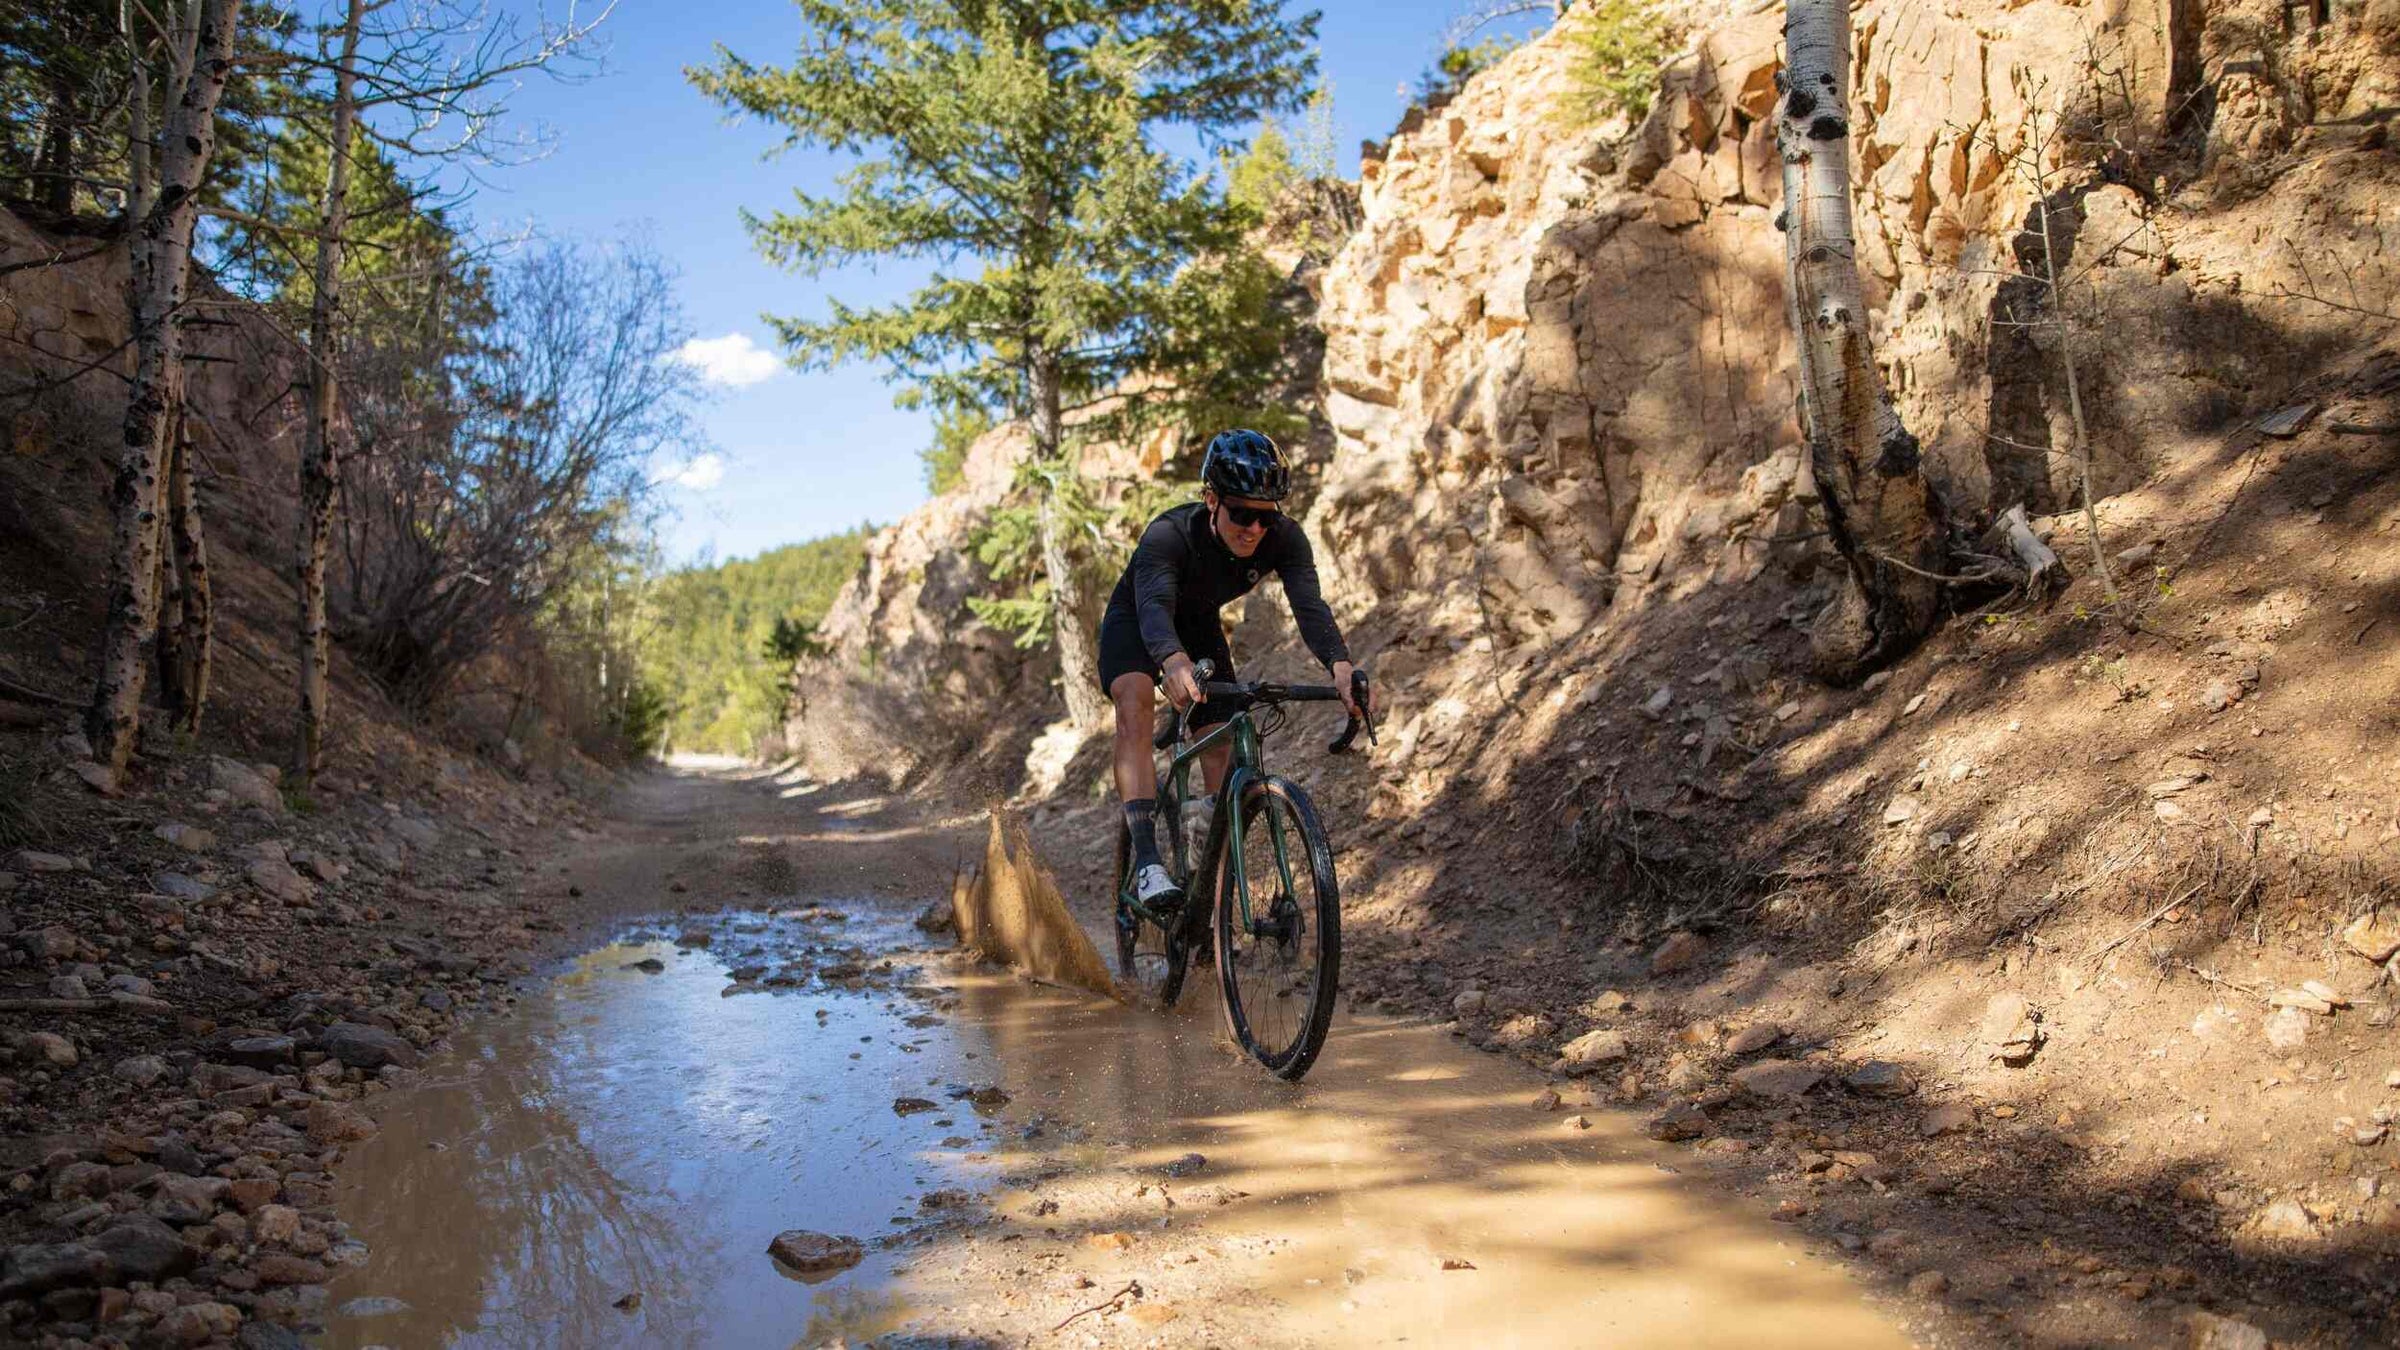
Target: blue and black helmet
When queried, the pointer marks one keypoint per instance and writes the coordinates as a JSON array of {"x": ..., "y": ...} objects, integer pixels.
[{"x": 1245, "y": 463}]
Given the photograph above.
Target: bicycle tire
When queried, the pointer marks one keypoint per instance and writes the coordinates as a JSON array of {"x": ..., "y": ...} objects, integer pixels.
[{"x": 1315, "y": 925}]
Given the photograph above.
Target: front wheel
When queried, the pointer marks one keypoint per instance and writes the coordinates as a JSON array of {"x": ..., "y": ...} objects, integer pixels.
[{"x": 1279, "y": 929}]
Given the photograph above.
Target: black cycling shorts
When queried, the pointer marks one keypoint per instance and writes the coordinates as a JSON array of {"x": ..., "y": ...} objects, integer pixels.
[{"x": 1122, "y": 652}]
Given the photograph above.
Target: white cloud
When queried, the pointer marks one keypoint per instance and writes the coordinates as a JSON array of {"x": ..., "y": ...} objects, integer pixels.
[
  {"x": 733, "y": 360},
  {"x": 699, "y": 474}
]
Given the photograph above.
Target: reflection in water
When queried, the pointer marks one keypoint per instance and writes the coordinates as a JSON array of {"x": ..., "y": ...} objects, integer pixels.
[{"x": 634, "y": 1133}]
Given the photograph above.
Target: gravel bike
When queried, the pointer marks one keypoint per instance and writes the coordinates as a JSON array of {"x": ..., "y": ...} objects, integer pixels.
[{"x": 1272, "y": 916}]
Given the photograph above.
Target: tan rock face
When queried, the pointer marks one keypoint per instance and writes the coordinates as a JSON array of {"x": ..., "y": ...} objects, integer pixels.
[
  {"x": 1557, "y": 373},
  {"x": 1550, "y": 367}
]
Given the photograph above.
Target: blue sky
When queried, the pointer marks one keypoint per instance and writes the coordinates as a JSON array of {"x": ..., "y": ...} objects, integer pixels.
[{"x": 636, "y": 148}]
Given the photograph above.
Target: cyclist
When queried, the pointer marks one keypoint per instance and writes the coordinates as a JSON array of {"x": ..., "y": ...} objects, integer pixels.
[{"x": 1162, "y": 617}]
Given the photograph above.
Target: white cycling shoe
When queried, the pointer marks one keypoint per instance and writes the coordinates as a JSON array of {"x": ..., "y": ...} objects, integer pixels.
[{"x": 1154, "y": 888}]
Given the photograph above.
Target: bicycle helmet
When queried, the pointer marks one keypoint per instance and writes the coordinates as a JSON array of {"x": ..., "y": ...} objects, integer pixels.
[{"x": 1244, "y": 463}]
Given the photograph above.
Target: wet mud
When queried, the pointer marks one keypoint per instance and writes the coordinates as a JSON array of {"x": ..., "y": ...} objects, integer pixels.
[{"x": 1022, "y": 1165}]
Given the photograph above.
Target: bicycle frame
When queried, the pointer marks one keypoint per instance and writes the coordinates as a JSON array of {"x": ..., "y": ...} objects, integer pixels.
[{"x": 1247, "y": 763}]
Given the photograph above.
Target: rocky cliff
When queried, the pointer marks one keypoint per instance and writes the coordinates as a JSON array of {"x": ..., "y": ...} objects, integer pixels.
[{"x": 1557, "y": 365}]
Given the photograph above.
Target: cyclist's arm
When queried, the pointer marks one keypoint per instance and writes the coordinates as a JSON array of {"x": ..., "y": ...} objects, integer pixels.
[
  {"x": 1157, "y": 574},
  {"x": 1298, "y": 569}
]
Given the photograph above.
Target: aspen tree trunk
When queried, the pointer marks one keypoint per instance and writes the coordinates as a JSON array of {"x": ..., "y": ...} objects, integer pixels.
[
  {"x": 188, "y": 665},
  {"x": 138, "y": 190},
  {"x": 160, "y": 257},
  {"x": 320, "y": 457},
  {"x": 1882, "y": 514},
  {"x": 1078, "y": 657}
]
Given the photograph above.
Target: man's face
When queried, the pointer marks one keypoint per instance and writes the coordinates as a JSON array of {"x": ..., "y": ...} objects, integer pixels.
[{"x": 1242, "y": 539}]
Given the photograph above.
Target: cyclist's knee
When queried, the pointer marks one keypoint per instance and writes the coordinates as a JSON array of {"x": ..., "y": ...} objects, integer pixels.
[{"x": 1135, "y": 697}]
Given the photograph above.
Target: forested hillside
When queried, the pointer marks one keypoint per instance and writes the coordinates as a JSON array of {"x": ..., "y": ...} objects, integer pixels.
[{"x": 722, "y": 639}]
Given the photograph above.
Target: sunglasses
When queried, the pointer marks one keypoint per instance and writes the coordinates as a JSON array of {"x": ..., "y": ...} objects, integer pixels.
[{"x": 1249, "y": 516}]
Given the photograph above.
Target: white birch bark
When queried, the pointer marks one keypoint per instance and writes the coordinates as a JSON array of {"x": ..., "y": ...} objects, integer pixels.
[
  {"x": 160, "y": 274},
  {"x": 320, "y": 456},
  {"x": 1879, "y": 510}
]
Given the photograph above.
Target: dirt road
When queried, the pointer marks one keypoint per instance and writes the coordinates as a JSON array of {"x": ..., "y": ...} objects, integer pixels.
[{"x": 759, "y": 1041}]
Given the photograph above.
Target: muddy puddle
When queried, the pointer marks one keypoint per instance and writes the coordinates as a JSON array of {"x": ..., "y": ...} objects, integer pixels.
[{"x": 645, "y": 1132}]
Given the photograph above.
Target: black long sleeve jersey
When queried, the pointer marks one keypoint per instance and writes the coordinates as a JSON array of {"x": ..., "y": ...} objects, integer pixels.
[{"x": 1182, "y": 574}]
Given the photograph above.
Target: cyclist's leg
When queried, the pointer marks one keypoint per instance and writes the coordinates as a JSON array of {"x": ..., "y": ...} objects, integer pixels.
[
  {"x": 1135, "y": 696},
  {"x": 1133, "y": 691},
  {"x": 1212, "y": 646}
]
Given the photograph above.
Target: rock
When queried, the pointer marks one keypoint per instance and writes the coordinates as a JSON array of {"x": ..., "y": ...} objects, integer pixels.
[
  {"x": 198, "y": 1323},
  {"x": 140, "y": 1070},
  {"x": 177, "y": 886},
  {"x": 1777, "y": 1078},
  {"x": 2287, "y": 1220},
  {"x": 1754, "y": 1038},
  {"x": 275, "y": 1223},
  {"x": 2287, "y": 1029},
  {"x": 2374, "y": 936},
  {"x": 285, "y": 1268},
  {"x": 244, "y": 784},
  {"x": 55, "y": 1050},
  {"x": 38, "y": 1267},
  {"x": 939, "y": 917},
  {"x": 2220, "y": 695},
  {"x": 1902, "y": 810},
  {"x": 276, "y": 878},
  {"x": 261, "y": 1052},
  {"x": 337, "y": 1123},
  {"x": 28, "y": 860},
  {"x": 140, "y": 1247},
  {"x": 909, "y": 1106},
  {"x": 1679, "y": 1122},
  {"x": 189, "y": 838},
  {"x": 693, "y": 937},
  {"x": 1593, "y": 1048},
  {"x": 1190, "y": 1164},
  {"x": 68, "y": 986},
  {"x": 1470, "y": 1003},
  {"x": 1948, "y": 1118},
  {"x": 122, "y": 983},
  {"x": 53, "y": 943},
  {"x": 321, "y": 865},
  {"x": 1677, "y": 953},
  {"x": 1523, "y": 1030},
  {"x": 649, "y": 964},
  {"x": 2208, "y": 1331},
  {"x": 1880, "y": 1078},
  {"x": 1875, "y": 681},
  {"x": 1657, "y": 704},
  {"x": 815, "y": 1253},
  {"x": 2319, "y": 999},
  {"x": 251, "y": 1195},
  {"x": 366, "y": 1047},
  {"x": 1547, "y": 1101},
  {"x": 1929, "y": 1284},
  {"x": 2011, "y": 1029},
  {"x": 2139, "y": 554}
]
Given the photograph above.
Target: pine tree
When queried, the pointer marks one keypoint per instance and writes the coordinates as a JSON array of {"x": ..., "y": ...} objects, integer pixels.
[{"x": 1012, "y": 143}]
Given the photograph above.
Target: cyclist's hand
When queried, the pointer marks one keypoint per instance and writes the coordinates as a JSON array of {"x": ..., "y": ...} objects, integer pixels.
[
  {"x": 1342, "y": 671},
  {"x": 1183, "y": 683}
]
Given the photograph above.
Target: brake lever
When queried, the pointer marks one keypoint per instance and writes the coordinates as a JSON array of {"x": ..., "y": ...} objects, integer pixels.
[{"x": 1365, "y": 719}]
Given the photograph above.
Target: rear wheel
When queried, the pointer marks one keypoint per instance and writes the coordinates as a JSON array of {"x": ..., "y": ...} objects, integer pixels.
[{"x": 1279, "y": 930}]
